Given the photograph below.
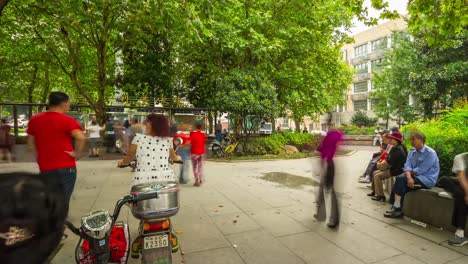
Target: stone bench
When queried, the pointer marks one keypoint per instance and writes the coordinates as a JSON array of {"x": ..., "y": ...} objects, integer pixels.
[{"x": 433, "y": 207}]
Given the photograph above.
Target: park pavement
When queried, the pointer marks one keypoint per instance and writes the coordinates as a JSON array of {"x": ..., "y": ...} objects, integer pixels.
[{"x": 237, "y": 217}]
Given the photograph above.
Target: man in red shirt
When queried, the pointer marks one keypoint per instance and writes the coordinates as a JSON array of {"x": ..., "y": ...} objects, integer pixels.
[
  {"x": 50, "y": 134},
  {"x": 198, "y": 140}
]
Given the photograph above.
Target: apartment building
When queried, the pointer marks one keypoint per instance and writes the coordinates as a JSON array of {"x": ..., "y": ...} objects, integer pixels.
[{"x": 365, "y": 56}]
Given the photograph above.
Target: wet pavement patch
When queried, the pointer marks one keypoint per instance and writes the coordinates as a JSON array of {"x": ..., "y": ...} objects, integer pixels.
[{"x": 289, "y": 180}]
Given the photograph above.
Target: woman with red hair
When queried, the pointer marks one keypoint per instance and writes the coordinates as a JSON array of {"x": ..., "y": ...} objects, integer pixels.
[{"x": 152, "y": 152}]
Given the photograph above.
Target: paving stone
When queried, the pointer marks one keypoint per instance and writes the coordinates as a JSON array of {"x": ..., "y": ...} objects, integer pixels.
[
  {"x": 277, "y": 223},
  {"x": 314, "y": 249},
  {"x": 235, "y": 223},
  {"x": 400, "y": 259},
  {"x": 259, "y": 247},
  {"x": 222, "y": 255}
]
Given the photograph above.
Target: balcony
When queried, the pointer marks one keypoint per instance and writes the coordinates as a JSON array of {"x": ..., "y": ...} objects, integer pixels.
[
  {"x": 360, "y": 59},
  {"x": 359, "y": 77},
  {"x": 360, "y": 96},
  {"x": 376, "y": 54}
]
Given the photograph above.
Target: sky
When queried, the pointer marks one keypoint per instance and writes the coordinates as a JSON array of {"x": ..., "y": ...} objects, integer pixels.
[{"x": 398, "y": 5}]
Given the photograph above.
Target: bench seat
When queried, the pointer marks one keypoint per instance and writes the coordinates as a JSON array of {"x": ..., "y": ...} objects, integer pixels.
[{"x": 433, "y": 207}]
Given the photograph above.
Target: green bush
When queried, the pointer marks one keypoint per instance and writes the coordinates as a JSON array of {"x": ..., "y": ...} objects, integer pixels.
[
  {"x": 272, "y": 144},
  {"x": 355, "y": 130},
  {"x": 361, "y": 119},
  {"x": 447, "y": 135}
]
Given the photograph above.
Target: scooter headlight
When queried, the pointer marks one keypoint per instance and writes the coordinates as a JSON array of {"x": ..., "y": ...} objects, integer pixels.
[{"x": 97, "y": 224}]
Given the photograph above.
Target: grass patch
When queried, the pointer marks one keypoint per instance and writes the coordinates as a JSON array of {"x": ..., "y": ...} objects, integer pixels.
[{"x": 289, "y": 180}]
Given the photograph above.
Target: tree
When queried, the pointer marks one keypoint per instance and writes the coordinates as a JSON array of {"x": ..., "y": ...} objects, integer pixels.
[
  {"x": 441, "y": 23},
  {"x": 249, "y": 98},
  {"x": 361, "y": 119},
  {"x": 84, "y": 37},
  {"x": 392, "y": 84}
]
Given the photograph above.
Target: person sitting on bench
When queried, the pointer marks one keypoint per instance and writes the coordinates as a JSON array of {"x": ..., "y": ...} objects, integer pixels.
[
  {"x": 385, "y": 148},
  {"x": 391, "y": 166},
  {"x": 458, "y": 187},
  {"x": 421, "y": 171}
]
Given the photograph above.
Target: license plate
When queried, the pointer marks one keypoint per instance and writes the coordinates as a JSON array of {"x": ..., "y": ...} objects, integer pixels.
[{"x": 156, "y": 241}]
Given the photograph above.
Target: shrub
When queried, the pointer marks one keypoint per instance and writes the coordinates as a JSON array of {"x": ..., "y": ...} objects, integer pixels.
[
  {"x": 272, "y": 144},
  {"x": 354, "y": 130},
  {"x": 361, "y": 119},
  {"x": 447, "y": 135}
]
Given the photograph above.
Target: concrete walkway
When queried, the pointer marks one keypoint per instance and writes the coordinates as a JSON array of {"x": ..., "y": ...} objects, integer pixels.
[{"x": 237, "y": 217}]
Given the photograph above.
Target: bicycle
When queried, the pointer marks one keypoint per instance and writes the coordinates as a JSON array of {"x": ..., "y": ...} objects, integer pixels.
[{"x": 225, "y": 148}]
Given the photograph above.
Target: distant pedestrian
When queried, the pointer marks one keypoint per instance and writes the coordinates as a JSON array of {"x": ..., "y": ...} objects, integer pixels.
[
  {"x": 94, "y": 131},
  {"x": 6, "y": 142},
  {"x": 328, "y": 150},
  {"x": 218, "y": 129},
  {"x": 50, "y": 134},
  {"x": 183, "y": 150},
  {"x": 198, "y": 140},
  {"x": 305, "y": 131}
]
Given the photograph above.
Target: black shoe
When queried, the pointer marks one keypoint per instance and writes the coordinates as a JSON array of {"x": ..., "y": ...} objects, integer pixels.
[
  {"x": 332, "y": 225},
  {"x": 371, "y": 194},
  {"x": 394, "y": 213},
  {"x": 379, "y": 198},
  {"x": 391, "y": 209}
]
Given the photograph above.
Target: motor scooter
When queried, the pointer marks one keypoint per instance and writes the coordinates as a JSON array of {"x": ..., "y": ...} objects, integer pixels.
[{"x": 104, "y": 240}]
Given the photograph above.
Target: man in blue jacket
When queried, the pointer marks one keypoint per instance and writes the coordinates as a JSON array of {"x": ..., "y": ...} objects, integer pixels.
[{"x": 420, "y": 172}]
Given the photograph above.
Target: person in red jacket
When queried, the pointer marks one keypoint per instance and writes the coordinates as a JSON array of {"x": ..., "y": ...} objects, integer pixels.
[{"x": 198, "y": 140}]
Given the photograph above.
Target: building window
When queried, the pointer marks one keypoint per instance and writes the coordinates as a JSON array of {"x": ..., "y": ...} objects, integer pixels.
[
  {"x": 344, "y": 53},
  {"x": 360, "y": 105},
  {"x": 360, "y": 87},
  {"x": 376, "y": 65},
  {"x": 360, "y": 51},
  {"x": 379, "y": 44},
  {"x": 361, "y": 68}
]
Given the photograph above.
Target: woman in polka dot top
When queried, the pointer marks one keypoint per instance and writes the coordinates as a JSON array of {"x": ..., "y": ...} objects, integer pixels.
[{"x": 152, "y": 152}]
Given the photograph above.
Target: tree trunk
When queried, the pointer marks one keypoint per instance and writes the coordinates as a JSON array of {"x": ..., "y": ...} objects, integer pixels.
[
  {"x": 298, "y": 125},
  {"x": 3, "y": 4},
  {"x": 31, "y": 87},
  {"x": 46, "y": 90},
  {"x": 273, "y": 124},
  {"x": 101, "y": 103},
  {"x": 210, "y": 121}
]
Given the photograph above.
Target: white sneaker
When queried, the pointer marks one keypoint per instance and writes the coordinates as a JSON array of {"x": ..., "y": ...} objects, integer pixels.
[{"x": 364, "y": 180}]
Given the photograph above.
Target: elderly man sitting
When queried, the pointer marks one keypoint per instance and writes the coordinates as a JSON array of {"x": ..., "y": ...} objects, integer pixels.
[{"x": 421, "y": 171}]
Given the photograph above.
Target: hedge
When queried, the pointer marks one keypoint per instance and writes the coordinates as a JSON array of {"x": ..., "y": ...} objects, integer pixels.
[
  {"x": 272, "y": 144},
  {"x": 355, "y": 130},
  {"x": 447, "y": 135}
]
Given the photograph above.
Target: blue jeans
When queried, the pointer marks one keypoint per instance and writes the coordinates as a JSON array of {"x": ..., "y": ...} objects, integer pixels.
[
  {"x": 66, "y": 178},
  {"x": 400, "y": 188},
  {"x": 184, "y": 153},
  {"x": 219, "y": 136}
]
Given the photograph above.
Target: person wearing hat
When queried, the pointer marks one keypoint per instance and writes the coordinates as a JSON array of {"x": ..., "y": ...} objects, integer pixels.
[
  {"x": 391, "y": 166},
  {"x": 385, "y": 148}
]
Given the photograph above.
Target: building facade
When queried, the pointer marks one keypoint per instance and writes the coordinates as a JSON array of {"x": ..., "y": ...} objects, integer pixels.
[{"x": 365, "y": 56}]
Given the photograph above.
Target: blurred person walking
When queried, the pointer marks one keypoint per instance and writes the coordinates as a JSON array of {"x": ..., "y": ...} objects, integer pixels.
[
  {"x": 328, "y": 150},
  {"x": 6, "y": 142},
  {"x": 198, "y": 140},
  {"x": 50, "y": 136}
]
